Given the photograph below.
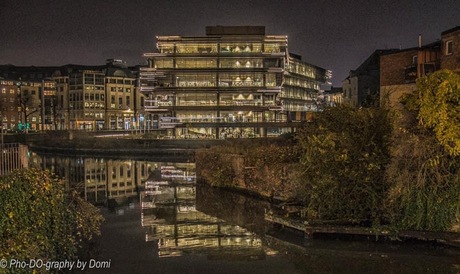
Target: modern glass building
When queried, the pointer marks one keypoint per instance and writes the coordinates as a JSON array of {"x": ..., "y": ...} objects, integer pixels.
[{"x": 233, "y": 82}]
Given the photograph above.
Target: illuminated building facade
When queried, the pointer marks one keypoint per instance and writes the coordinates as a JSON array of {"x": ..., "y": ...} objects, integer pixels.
[
  {"x": 62, "y": 101},
  {"x": 233, "y": 82},
  {"x": 27, "y": 104},
  {"x": 75, "y": 97},
  {"x": 9, "y": 104},
  {"x": 86, "y": 105},
  {"x": 120, "y": 86}
]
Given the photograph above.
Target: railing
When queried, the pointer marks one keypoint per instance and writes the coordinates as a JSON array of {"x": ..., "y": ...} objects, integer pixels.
[
  {"x": 155, "y": 104},
  {"x": 13, "y": 156}
]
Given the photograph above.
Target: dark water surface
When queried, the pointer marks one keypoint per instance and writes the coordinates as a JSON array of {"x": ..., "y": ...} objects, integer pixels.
[{"x": 159, "y": 221}]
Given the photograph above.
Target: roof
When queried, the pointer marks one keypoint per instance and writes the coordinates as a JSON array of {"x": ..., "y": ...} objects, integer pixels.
[
  {"x": 372, "y": 62},
  {"x": 457, "y": 28},
  {"x": 17, "y": 72},
  {"x": 235, "y": 30},
  {"x": 433, "y": 45}
]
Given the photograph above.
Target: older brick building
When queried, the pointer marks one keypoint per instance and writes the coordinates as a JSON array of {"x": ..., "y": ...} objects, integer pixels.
[
  {"x": 450, "y": 53},
  {"x": 362, "y": 86},
  {"x": 399, "y": 70}
]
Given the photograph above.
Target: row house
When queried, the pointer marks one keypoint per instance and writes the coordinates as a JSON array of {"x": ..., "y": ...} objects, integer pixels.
[
  {"x": 399, "y": 70},
  {"x": 72, "y": 97},
  {"x": 27, "y": 105}
]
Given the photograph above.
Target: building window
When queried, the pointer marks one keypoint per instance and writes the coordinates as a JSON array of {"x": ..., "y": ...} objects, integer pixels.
[{"x": 449, "y": 47}]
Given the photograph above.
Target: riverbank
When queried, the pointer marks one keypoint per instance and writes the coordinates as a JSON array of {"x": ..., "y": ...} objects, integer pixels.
[
  {"x": 269, "y": 171},
  {"x": 111, "y": 144},
  {"x": 123, "y": 242},
  {"x": 311, "y": 230},
  {"x": 266, "y": 174}
]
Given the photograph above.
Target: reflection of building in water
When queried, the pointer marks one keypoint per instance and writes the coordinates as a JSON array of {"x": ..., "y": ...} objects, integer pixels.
[
  {"x": 170, "y": 217},
  {"x": 98, "y": 179},
  {"x": 95, "y": 176}
]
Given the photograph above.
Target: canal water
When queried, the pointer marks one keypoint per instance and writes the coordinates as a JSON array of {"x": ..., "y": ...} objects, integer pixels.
[{"x": 158, "y": 220}]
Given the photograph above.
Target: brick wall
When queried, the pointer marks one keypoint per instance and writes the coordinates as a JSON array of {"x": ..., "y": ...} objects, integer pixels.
[
  {"x": 451, "y": 61},
  {"x": 392, "y": 67}
]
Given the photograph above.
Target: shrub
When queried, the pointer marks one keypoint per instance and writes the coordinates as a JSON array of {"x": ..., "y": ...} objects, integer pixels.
[
  {"x": 40, "y": 219},
  {"x": 344, "y": 154},
  {"x": 424, "y": 173}
]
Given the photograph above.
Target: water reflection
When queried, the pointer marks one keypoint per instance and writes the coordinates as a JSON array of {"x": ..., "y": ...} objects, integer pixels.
[
  {"x": 101, "y": 181},
  {"x": 169, "y": 212},
  {"x": 167, "y": 195},
  {"x": 180, "y": 219}
]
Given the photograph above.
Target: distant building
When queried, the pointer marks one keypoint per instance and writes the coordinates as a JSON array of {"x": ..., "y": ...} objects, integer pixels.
[
  {"x": 362, "y": 86},
  {"x": 27, "y": 105},
  {"x": 73, "y": 97},
  {"x": 233, "y": 82},
  {"x": 333, "y": 97}
]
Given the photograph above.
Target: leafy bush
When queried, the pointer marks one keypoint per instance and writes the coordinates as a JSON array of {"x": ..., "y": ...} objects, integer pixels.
[
  {"x": 344, "y": 154},
  {"x": 424, "y": 173},
  {"x": 40, "y": 219},
  {"x": 424, "y": 184},
  {"x": 439, "y": 107}
]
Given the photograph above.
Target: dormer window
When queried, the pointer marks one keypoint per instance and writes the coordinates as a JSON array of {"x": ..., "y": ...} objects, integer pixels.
[{"x": 449, "y": 47}]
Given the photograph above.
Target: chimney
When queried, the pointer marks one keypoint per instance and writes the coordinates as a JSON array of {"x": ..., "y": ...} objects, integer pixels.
[{"x": 419, "y": 40}]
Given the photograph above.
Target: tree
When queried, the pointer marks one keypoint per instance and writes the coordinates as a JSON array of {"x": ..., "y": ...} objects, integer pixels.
[
  {"x": 424, "y": 172},
  {"x": 424, "y": 183},
  {"x": 27, "y": 105},
  {"x": 344, "y": 153},
  {"x": 439, "y": 107}
]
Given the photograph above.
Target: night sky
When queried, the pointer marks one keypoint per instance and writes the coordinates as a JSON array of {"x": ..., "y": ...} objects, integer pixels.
[{"x": 337, "y": 35}]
